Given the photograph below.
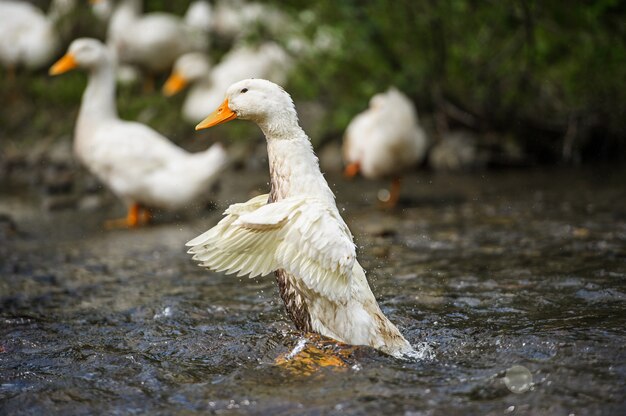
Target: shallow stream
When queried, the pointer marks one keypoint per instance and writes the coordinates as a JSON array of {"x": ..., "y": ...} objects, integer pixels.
[{"x": 512, "y": 284}]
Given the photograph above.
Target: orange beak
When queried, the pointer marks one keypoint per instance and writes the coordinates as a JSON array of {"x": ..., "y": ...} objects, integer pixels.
[
  {"x": 66, "y": 63},
  {"x": 175, "y": 83},
  {"x": 352, "y": 169},
  {"x": 219, "y": 116}
]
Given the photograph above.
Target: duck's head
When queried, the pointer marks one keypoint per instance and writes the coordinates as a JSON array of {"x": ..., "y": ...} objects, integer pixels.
[
  {"x": 188, "y": 68},
  {"x": 83, "y": 53},
  {"x": 256, "y": 100}
]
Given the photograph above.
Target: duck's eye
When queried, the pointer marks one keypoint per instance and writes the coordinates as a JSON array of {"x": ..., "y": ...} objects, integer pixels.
[{"x": 245, "y": 90}]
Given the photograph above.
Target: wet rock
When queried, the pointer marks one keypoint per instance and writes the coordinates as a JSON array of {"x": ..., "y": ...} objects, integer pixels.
[
  {"x": 57, "y": 181},
  {"x": 36, "y": 155},
  {"x": 49, "y": 279},
  {"x": 59, "y": 202},
  {"x": 11, "y": 160},
  {"x": 90, "y": 184},
  {"x": 60, "y": 153},
  {"x": 8, "y": 227},
  {"x": 91, "y": 202},
  {"x": 581, "y": 232},
  {"x": 456, "y": 151}
]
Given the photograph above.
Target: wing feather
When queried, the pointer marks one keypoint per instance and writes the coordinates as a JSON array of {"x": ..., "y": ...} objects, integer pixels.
[{"x": 303, "y": 235}]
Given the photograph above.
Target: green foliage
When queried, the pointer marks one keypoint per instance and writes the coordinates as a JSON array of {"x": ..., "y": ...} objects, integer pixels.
[{"x": 526, "y": 66}]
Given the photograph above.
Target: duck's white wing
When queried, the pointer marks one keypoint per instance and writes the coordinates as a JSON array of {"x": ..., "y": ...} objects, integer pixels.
[{"x": 303, "y": 236}]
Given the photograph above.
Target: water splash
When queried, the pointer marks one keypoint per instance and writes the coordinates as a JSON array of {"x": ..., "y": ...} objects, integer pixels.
[
  {"x": 165, "y": 313},
  {"x": 422, "y": 351},
  {"x": 297, "y": 349}
]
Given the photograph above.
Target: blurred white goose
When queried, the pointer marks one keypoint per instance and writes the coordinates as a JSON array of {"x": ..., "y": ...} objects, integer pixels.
[
  {"x": 138, "y": 164},
  {"x": 385, "y": 140},
  {"x": 295, "y": 230},
  {"x": 28, "y": 37},
  {"x": 267, "y": 60},
  {"x": 153, "y": 41},
  {"x": 233, "y": 19}
]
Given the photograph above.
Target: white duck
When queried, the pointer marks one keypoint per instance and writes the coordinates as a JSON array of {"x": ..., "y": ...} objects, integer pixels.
[
  {"x": 153, "y": 41},
  {"x": 268, "y": 60},
  {"x": 385, "y": 140},
  {"x": 138, "y": 164},
  {"x": 234, "y": 19},
  {"x": 28, "y": 37},
  {"x": 296, "y": 231}
]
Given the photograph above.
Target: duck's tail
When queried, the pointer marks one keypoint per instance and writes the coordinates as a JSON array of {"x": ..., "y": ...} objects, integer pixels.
[{"x": 204, "y": 166}]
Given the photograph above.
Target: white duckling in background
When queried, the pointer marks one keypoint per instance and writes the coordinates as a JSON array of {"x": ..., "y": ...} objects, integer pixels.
[
  {"x": 199, "y": 15},
  {"x": 233, "y": 19},
  {"x": 154, "y": 41},
  {"x": 139, "y": 165},
  {"x": 385, "y": 141},
  {"x": 28, "y": 37},
  {"x": 267, "y": 60},
  {"x": 295, "y": 231}
]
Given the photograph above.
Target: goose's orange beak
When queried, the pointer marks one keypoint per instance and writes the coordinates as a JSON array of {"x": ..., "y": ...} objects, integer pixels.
[
  {"x": 174, "y": 84},
  {"x": 219, "y": 116},
  {"x": 66, "y": 63}
]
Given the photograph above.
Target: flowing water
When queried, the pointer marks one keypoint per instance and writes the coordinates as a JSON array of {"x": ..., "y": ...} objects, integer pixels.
[{"x": 511, "y": 284}]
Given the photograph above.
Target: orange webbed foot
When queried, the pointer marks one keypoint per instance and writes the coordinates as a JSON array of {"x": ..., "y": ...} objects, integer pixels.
[{"x": 314, "y": 352}]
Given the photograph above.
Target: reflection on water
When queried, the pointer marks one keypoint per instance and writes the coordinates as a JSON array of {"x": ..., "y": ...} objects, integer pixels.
[{"x": 516, "y": 281}]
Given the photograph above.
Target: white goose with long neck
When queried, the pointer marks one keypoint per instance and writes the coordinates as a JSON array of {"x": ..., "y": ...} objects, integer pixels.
[
  {"x": 295, "y": 231},
  {"x": 98, "y": 103},
  {"x": 138, "y": 164}
]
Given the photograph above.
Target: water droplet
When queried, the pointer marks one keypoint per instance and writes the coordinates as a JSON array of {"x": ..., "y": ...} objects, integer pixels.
[
  {"x": 518, "y": 379},
  {"x": 383, "y": 195},
  {"x": 165, "y": 313}
]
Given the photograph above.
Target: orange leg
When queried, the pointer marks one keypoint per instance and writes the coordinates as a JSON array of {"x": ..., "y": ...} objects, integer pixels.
[
  {"x": 394, "y": 194},
  {"x": 131, "y": 220},
  {"x": 351, "y": 170}
]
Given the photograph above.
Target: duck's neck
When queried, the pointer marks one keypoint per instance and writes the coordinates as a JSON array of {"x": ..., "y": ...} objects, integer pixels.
[
  {"x": 98, "y": 102},
  {"x": 294, "y": 168}
]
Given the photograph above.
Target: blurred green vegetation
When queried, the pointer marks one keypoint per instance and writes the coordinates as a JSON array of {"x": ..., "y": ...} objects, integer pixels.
[
  {"x": 551, "y": 73},
  {"x": 547, "y": 74}
]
